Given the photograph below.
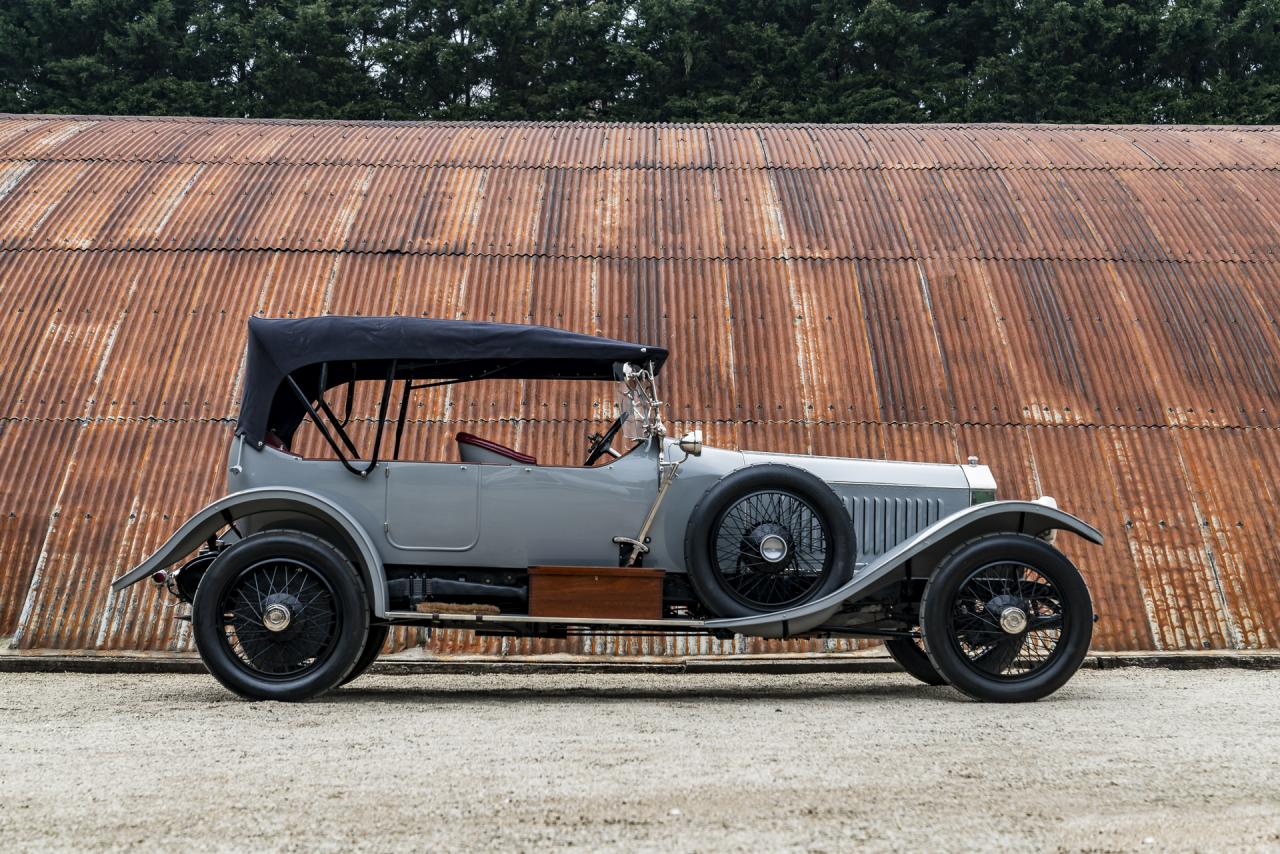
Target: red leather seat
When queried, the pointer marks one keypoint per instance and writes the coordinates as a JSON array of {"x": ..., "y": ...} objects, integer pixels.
[
  {"x": 483, "y": 445},
  {"x": 271, "y": 440}
]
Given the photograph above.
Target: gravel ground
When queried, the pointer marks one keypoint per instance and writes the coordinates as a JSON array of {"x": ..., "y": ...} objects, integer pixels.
[{"x": 1118, "y": 760}]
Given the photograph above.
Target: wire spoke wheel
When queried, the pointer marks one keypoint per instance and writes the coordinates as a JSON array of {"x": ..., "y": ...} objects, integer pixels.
[
  {"x": 1007, "y": 620},
  {"x": 281, "y": 619},
  {"x": 770, "y": 549}
]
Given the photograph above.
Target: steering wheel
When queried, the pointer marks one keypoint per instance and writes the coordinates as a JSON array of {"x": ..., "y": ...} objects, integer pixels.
[{"x": 603, "y": 444}]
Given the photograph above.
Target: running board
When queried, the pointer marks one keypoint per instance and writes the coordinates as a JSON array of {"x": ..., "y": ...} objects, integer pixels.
[{"x": 470, "y": 620}]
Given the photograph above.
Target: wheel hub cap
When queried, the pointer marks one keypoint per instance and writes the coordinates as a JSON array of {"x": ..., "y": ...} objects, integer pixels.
[
  {"x": 1013, "y": 620},
  {"x": 773, "y": 548},
  {"x": 276, "y": 617},
  {"x": 770, "y": 549},
  {"x": 768, "y": 545}
]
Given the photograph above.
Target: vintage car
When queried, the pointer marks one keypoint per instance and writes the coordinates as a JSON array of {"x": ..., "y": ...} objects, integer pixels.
[{"x": 306, "y": 562}]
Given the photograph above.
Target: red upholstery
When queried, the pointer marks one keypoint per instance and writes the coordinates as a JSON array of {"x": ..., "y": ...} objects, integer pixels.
[
  {"x": 271, "y": 440},
  {"x": 493, "y": 447}
]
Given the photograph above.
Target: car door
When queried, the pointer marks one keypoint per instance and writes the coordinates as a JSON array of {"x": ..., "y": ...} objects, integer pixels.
[
  {"x": 432, "y": 507},
  {"x": 552, "y": 515}
]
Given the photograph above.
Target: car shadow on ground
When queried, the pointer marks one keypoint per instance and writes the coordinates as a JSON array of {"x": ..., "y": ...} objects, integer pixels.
[
  {"x": 419, "y": 691},
  {"x": 755, "y": 692}
]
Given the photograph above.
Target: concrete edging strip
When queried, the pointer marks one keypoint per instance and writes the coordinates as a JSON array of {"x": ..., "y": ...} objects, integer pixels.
[{"x": 42, "y": 662}]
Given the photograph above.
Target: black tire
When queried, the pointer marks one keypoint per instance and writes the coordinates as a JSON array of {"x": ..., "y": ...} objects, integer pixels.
[
  {"x": 805, "y": 573},
  {"x": 369, "y": 654},
  {"x": 914, "y": 660},
  {"x": 962, "y": 606},
  {"x": 322, "y": 596}
]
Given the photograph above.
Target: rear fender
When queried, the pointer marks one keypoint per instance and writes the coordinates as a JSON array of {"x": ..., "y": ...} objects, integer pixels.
[
  {"x": 275, "y": 501},
  {"x": 917, "y": 555}
]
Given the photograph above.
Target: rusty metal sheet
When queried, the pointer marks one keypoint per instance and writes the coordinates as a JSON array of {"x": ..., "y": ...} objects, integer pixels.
[
  {"x": 1238, "y": 525},
  {"x": 806, "y": 213},
  {"x": 1259, "y": 147},
  {"x": 1244, "y": 230},
  {"x": 631, "y": 146},
  {"x": 950, "y": 146},
  {"x": 43, "y": 136},
  {"x": 109, "y": 514},
  {"x": 866, "y": 209},
  {"x": 506, "y": 222},
  {"x": 1049, "y": 210},
  {"x": 991, "y": 216},
  {"x": 683, "y": 146},
  {"x": 985, "y": 381},
  {"x": 29, "y": 505},
  {"x": 14, "y": 130},
  {"x": 924, "y": 146},
  {"x": 1175, "y": 572},
  {"x": 444, "y": 215},
  {"x": 835, "y": 346},
  {"x": 1083, "y": 470},
  {"x": 907, "y": 361},
  {"x": 903, "y": 149},
  {"x": 55, "y": 359},
  {"x": 570, "y": 213},
  {"x": 1210, "y": 349},
  {"x": 1116, "y": 219},
  {"x": 1093, "y": 311},
  {"x": 843, "y": 147},
  {"x": 934, "y": 223},
  {"x": 736, "y": 146},
  {"x": 1062, "y": 326},
  {"x": 789, "y": 146},
  {"x": 1059, "y": 148},
  {"x": 648, "y": 213},
  {"x": 1189, "y": 148},
  {"x": 751, "y": 219},
  {"x": 1186, "y": 226}
]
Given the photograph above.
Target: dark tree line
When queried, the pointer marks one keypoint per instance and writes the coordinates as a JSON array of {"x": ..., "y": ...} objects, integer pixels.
[{"x": 673, "y": 60}]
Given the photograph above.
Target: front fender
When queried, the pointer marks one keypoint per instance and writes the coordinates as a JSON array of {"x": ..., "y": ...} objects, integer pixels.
[
  {"x": 238, "y": 505},
  {"x": 926, "y": 547}
]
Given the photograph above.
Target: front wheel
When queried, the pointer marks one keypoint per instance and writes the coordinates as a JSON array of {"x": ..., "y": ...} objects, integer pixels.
[
  {"x": 280, "y": 615},
  {"x": 911, "y": 657},
  {"x": 1006, "y": 618}
]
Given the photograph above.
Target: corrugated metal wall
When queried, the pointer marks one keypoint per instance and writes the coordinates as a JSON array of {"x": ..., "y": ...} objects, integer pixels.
[{"x": 1093, "y": 311}]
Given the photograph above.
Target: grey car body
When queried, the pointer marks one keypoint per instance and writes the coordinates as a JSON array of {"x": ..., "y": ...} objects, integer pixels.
[{"x": 389, "y": 513}]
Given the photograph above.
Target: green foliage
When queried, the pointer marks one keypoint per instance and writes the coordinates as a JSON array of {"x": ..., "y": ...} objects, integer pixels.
[{"x": 654, "y": 60}]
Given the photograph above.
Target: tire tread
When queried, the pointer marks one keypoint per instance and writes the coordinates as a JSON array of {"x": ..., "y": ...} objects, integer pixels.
[
  {"x": 943, "y": 666},
  {"x": 361, "y": 615}
]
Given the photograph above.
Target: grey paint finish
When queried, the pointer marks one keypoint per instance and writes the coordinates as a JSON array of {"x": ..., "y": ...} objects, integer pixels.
[
  {"x": 1027, "y": 517},
  {"x": 266, "y": 504},
  {"x": 431, "y": 506},
  {"x": 515, "y": 516},
  {"x": 841, "y": 470},
  {"x": 928, "y": 546},
  {"x": 488, "y": 512}
]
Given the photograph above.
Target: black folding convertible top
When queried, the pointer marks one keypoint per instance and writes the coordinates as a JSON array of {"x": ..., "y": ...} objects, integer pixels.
[{"x": 320, "y": 353}]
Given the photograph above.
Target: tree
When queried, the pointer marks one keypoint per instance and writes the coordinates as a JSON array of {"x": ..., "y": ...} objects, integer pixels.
[{"x": 649, "y": 60}]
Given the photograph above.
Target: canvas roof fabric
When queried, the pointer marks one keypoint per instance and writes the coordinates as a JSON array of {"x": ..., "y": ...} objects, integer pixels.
[{"x": 361, "y": 348}]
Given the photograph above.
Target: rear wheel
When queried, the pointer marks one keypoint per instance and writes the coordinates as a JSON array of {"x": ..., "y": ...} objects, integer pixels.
[
  {"x": 372, "y": 648},
  {"x": 912, "y": 658},
  {"x": 1006, "y": 618},
  {"x": 280, "y": 615}
]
